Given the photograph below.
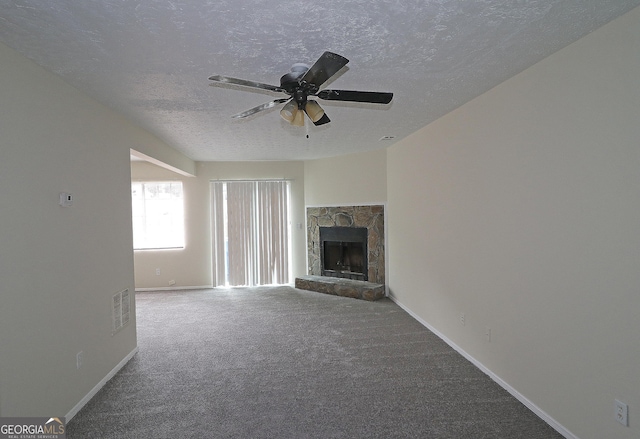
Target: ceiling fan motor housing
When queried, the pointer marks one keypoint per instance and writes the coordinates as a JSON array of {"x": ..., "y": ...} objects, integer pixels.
[
  {"x": 289, "y": 81},
  {"x": 299, "y": 90}
]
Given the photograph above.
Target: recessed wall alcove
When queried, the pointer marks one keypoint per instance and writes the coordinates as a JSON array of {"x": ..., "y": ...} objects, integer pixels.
[{"x": 370, "y": 218}]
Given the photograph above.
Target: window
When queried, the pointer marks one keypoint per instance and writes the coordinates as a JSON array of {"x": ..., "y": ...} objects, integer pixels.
[{"x": 158, "y": 215}]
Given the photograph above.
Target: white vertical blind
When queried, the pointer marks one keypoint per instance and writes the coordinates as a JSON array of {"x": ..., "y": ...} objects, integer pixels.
[
  {"x": 273, "y": 244},
  {"x": 218, "y": 227},
  {"x": 241, "y": 229},
  {"x": 257, "y": 232}
]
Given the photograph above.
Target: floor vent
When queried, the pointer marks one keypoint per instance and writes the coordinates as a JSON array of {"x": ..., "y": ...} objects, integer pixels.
[{"x": 121, "y": 306}]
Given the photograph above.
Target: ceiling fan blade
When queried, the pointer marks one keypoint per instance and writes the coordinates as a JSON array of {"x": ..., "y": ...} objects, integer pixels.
[
  {"x": 324, "y": 119},
  {"x": 373, "y": 97},
  {"x": 324, "y": 68},
  {"x": 259, "y": 108},
  {"x": 243, "y": 82}
]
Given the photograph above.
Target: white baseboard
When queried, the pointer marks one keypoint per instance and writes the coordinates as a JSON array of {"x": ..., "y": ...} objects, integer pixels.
[
  {"x": 530, "y": 405},
  {"x": 74, "y": 411},
  {"x": 174, "y": 288}
]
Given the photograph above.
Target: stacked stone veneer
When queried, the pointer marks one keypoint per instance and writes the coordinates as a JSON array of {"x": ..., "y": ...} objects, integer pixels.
[{"x": 371, "y": 217}]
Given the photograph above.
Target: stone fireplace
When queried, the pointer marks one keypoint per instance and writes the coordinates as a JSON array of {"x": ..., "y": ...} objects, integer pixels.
[{"x": 347, "y": 242}]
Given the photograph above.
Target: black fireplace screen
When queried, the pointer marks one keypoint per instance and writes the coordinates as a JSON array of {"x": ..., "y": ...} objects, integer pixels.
[{"x": 344, "y": 252}]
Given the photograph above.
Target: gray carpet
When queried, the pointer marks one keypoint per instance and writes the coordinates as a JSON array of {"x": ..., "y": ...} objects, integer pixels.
[{"x": 284, "y": 363}]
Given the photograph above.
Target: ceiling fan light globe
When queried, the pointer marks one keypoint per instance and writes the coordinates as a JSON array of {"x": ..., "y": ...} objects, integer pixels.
[
  {"x": 298, "y": 118},
  {"x": 314, "y": 111},
  {"x": 289, "y": 111}
]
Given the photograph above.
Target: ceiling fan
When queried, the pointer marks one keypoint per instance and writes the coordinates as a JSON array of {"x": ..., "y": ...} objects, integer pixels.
[{"x": 301, "y": 83}]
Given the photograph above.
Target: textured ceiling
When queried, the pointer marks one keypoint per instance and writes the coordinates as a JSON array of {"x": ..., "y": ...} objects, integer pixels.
[{"x": 150, "y": 60}]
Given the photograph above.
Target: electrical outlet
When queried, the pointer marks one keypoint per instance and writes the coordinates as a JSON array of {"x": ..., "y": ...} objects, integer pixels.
[
  {"x": 622, "y": 413},
  {"x": 157, "y": 272},
  {"x": 79, "y": 359},
  {"x": 487, "y": 334},
  {"x": 462, "y": 319},
  {"x": 65, "y": 200}
]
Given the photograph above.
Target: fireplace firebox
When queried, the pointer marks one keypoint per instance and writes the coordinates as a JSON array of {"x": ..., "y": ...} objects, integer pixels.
[{"x": 344, "y": 252}]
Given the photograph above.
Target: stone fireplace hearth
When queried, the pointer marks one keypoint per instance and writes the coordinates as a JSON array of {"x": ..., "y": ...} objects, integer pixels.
[{"x": 370, "y": 218}]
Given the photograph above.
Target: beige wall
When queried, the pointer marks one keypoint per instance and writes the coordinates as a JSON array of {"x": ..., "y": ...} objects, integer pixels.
[
  {"x": 166, "y": 158},
  {"x": 350, "y": 180},
  {"x": 347, "y": 180},
  {"x": 521, "y": 209},
  {"x": 60, "y": 266},
  {"x": 191, "y": 267}
]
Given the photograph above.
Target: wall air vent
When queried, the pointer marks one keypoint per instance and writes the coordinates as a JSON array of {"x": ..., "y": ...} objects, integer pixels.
[{"x": 121, "y": 305}]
